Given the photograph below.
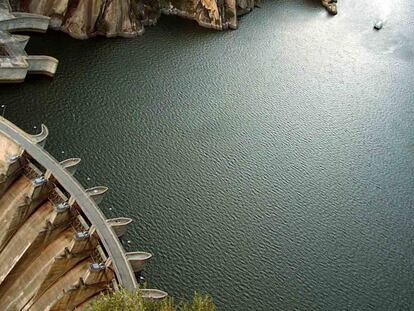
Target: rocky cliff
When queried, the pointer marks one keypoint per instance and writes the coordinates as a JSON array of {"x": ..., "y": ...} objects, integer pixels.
[
  {"x": 127, "y": 18},
  {"x": 86, "y": 18}
]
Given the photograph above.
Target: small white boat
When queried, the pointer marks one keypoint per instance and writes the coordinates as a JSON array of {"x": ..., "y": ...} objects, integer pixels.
[{"x": 378, "y": 25}]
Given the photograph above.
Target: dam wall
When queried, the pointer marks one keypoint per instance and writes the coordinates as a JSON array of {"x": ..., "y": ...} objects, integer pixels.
[
  {"x": 12, "y": 74},
  {"x": 57, "y": 249},
  {"x": 15, "y": 64},
  {"x": 25, "y": 22}
]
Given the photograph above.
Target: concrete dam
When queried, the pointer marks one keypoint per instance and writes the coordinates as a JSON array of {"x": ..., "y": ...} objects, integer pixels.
[
  {"x": 57, "y": 249},
  {"x": 15, "y": 64}
]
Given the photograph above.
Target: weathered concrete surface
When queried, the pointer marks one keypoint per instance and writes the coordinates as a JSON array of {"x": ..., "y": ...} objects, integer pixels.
[
  {"x": 52, "y": 231},
  {"x": 14, "y": 62},
  {"x": 19, "y": 21},
  {"x": 27, "y": 239},
  {"x": 10, "y": 162},
  {"x": 16, "y": 205},
  {"x": 119, "y": 225},
  {"x": 42, "y": 64},
  {"x": 91, "y": 283},
  {"x": 27, "y": 277}
]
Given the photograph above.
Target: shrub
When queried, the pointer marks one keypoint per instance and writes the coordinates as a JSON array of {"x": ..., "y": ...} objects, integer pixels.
[{"x": 123, "y": 300}]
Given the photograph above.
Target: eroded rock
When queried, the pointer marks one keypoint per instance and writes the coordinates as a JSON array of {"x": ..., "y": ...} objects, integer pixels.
[
  {"x": 331, "y": 6},
  {"x": 87, "y": 18},
  {"x": 127, "y": 18}
]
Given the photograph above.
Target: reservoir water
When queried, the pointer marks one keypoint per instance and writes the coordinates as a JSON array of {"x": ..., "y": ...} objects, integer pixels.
[{"x": 272, "y": 166}]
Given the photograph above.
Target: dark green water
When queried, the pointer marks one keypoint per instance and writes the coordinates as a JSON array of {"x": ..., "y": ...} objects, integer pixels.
[{"x": 272, "y": 166}]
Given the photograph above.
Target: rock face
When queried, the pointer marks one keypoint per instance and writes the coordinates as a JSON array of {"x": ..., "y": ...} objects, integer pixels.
[
  {"x": 127, "y": 18},
  {"x": 216, "y": 14},
  {"x": 86, "y": 18},
  {"x": 330, "y": 5}
]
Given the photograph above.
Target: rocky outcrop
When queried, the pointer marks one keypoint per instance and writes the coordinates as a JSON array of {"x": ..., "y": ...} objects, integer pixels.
[
  {"x": 87, "y": 18},
  {"x": 127, "y": 18},
  {"x": 330, "y": 5},
  {"x": 216, "y": 14}
]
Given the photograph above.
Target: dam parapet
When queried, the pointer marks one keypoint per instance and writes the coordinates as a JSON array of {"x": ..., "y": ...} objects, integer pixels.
[
  {"x": 57, "y": 249},
  {"x": 15, "y": 64},
  {"x": 21, "y": 21}
]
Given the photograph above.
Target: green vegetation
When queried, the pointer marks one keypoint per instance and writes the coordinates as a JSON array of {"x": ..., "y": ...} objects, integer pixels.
[{"x": 123, "y": 300}]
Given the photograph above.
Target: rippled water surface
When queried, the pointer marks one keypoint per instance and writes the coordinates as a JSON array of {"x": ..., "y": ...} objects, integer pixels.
[{"x": 270, "y": 166}]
